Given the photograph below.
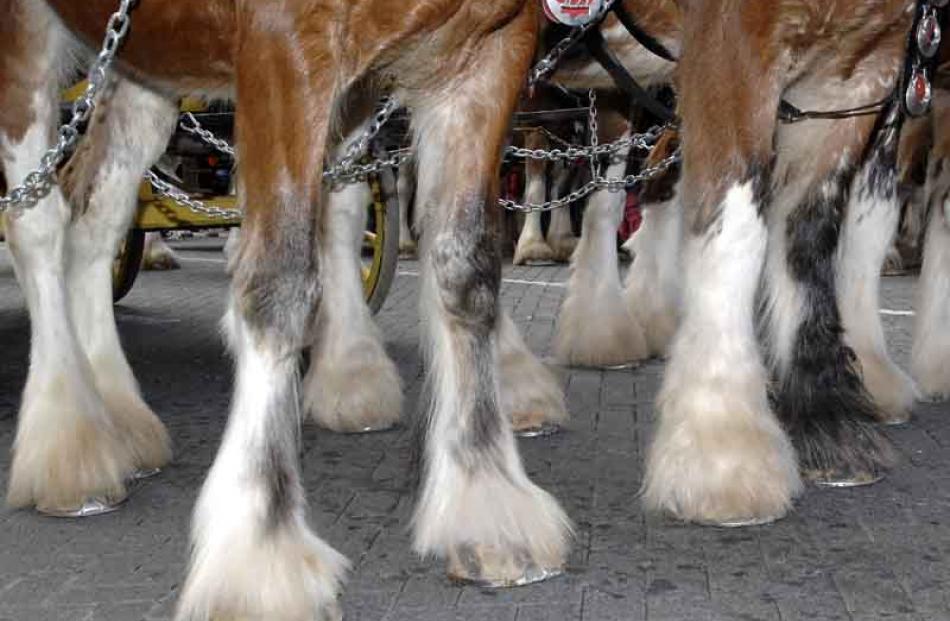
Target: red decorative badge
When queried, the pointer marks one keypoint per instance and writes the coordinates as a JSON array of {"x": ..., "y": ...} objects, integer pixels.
[{"x": 572, "y": 12}]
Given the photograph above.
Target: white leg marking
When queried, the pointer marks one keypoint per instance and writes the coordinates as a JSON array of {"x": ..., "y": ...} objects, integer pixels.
[
  {"x": 652, "y": 289},
  {"x": 158, "y": 255},
  {"x": 405, "y": 189},
  {"x": 67, "y": 448},
  {"x": 254, "y": 557},
  {"x": 477, "y": 506},
  {"x": 595, "y": 327},
  {"x": 869, "y": 227},
  {"x": 531, "y": 245},
  {"x": 352, "y": 385},
  {"x": 930, "y": 358},
  {"x": 530, "y": 393},
  {"x": 134, "y": 134},
  {"x": 561, "y": 238},
  {"x": 719, "y": 454}
]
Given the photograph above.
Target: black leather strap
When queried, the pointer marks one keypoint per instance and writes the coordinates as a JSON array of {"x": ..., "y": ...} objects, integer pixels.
[
  {"x": 597, "y": 46},
  {"x": 645, "y": 39}
]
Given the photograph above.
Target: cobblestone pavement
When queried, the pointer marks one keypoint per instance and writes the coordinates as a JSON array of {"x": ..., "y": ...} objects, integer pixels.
[{"x": 875, "y": 553}]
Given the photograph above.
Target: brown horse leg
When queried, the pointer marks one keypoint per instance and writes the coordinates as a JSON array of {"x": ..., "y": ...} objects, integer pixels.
[
  {"x": 477, "y": 506},
  {"x": 254, "y": 556},
  {"x": 719, "y": 454},
  {"x": 67, "y": 450}
]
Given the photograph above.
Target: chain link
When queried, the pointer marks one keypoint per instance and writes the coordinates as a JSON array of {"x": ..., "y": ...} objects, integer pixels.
[
  {"x": 39, "y": 182},
  {"x": 549, "y": 63},
  {"x": 191, "y": 125},
  {"x": 163, "y": 188},
  {"x": 610, "y": 184}
]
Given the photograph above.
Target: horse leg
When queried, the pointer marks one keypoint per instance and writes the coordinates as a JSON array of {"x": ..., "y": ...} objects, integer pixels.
[
  {"x": 158, "y": 255},
  {"x": 477, "y": 506},
  {"x": 254, "y": 556},
  {"x": 67, "y": 449},
  {"x": 930, "y": 355},
  {"x": 652, "y": 287},
  {"x": 406, "y": 190},
  {"x": 595, "y": 327},
  {"x": 531, "y": 395},
  {"x": 126, "y": 135},
  {"x": 719, "y": 454},
  {"x": 561, "y": 238},
  {"x": 352, "y": 385},
  {"x": 531, "y": 245},
  {"x": 869, "y": 229},
  {"x": 819, "y": 394}
]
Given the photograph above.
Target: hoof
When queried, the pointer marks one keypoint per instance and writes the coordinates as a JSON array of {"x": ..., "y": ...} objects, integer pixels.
[
  {"x": 371, "y": 429},
  {"x": 841, "y": 479},
  {"x": 145, "y": 474},
  {"x": 563, "y": 247},
  {"x": 89, "y": 508},
  {"x": 540, "y": 431},
  {"x": 743, "y": 523},
  {"x": 729, "y": 467},
  {"x": 891, "y": 390},
  {"x": 161, "y": 264},
  {"x": 489, "y": 567},
  {"x": 531, "y": 395},
  {"x": 363, "y": 397},
  {"x": 533, "y": 252},
  {"x": 622, "y": 367}
]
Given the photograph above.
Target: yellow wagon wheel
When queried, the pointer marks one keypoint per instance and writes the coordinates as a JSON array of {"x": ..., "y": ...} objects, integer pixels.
[
  {"x": 380, "y": 251},
  {"x": 381, "y": 239}
]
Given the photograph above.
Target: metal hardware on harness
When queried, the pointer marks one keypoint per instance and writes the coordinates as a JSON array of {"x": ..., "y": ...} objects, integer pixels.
[
  {"x": 599, "y": 49},
  {"x": 924, "y": 42},
  {"x": 592, "y": 130},
  {"x": 549, "y": 63},
  {"x": 645, "y": 39},
  {"x": 787, "y": 113},
  {"x": 39, "y": 183}
]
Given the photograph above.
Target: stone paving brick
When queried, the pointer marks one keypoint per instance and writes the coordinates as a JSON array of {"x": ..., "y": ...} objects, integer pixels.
[{"x": 870, "y": 554}]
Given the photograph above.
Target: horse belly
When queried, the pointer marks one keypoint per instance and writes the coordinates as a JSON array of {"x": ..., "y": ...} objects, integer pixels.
[{"x": 179, "y": 43}]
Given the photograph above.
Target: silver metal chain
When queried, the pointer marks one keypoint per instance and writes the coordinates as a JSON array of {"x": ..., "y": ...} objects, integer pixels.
[
  {"x": 598, "y": 183},
  {"x": 163, "y": 188},
  {"x": 348, "y": 171},
  {"x": 359, "y": 147},
  {"x": 549, "y": 63},
  {"x": 191, "y": 125},
  {"x": 39, "y": 182}
]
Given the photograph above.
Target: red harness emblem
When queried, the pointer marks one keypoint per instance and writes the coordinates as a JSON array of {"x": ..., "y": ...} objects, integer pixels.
[{"x": 572, "y": 12}]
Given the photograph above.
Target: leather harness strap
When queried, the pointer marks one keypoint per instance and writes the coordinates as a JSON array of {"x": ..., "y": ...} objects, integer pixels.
[{"x": 598, "y": 48}]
